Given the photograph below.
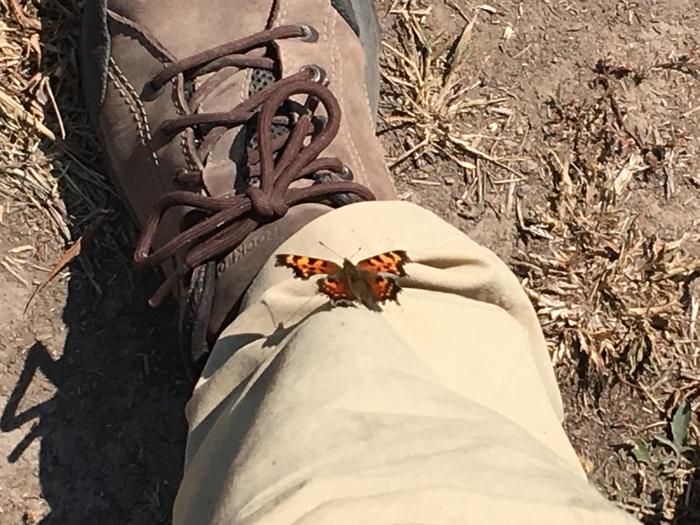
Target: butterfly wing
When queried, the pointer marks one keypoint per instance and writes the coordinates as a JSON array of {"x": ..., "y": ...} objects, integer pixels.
[
  {"x": 337, "y": 288},
  {"x": 337, "y": 285},
  {"x": 388, "y": 262},
  {"x": 383, "y": 288},
  {"x": 304, "y": 267}
]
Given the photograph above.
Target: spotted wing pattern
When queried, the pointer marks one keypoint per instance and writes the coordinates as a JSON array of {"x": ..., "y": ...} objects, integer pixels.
[
  {"x": 388, "y": 262},
  {"x": 304, "y": 267},
  {"x": 337, "y": 288},
  {"x": 378, "y": 272},
  {"x": 383, "y": 288}
]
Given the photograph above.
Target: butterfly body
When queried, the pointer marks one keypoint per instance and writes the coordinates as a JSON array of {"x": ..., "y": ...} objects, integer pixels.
[
  {"x": 370, "y": 282},
  {"x": 359, "y": 283}
]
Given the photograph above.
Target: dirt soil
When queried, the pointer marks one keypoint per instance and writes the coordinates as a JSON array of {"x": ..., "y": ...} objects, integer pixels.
[{"x": 580, "y": 144}]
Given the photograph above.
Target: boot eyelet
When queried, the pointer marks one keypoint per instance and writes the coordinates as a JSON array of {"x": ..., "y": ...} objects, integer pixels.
[
  {"x": 318, "y": 75},
  {"x": 309, "y": 33},
  {"x": 346, "y": 173},
  {"x": 151, "y": 91}
]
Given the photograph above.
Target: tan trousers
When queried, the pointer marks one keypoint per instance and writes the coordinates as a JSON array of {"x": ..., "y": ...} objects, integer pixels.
[{"x": 443, "y": 409}]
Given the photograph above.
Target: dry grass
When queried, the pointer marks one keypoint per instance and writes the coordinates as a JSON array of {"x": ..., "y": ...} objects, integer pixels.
[
  {"x": 615, "y": 297},
  {"x": 605, "y": 288},
  {"x": 428, "y": 90},
  {"x": 49, "y": 158}
]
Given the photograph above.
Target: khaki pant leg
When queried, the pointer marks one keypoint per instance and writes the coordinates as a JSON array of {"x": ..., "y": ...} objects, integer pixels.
[{"x": 443, "y": 409}]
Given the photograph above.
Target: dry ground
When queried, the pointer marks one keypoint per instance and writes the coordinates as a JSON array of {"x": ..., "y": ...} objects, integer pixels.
[{"x": 563, "y": 134}]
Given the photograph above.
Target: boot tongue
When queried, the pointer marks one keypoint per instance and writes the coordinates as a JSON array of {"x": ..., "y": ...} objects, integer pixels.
[
  {"x": 221, "y": 168},
  {"x": 222, "y": 164}
]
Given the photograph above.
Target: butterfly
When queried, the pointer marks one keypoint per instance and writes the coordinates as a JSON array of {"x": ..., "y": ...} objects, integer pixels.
[{"x": 371, "y": 281}]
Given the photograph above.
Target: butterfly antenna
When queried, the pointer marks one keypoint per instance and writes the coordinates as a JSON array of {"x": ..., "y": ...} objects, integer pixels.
[
  {"x": 341, "y": 256},
  {"x": 355, "y": 253},
  {"x": 330, "y": 249}
]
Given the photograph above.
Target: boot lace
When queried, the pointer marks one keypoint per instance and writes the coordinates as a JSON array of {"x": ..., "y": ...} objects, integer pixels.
[{"x": 283, "y": 169}]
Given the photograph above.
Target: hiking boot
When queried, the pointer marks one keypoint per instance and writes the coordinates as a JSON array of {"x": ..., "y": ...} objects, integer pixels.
[{"x": 221, "y": 125}]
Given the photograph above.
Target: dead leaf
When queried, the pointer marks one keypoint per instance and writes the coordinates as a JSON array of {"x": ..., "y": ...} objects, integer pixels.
[
  {"x": 634, "y": 165},
  {"x": 460, "y": 47},
  {"x": 68, "y": 256}
]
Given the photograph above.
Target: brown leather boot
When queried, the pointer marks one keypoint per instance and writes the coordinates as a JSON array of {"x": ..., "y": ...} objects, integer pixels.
[{"x": 221, "y": 125}]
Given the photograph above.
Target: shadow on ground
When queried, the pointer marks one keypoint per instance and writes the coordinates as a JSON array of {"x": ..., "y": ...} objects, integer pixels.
[
  {"x": 688, "y": 504},
  {"x": 112, "y": 437}
]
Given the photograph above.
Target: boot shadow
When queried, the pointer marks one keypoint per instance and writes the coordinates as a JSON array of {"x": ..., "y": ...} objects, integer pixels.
[{"x": 112, "y": 436}]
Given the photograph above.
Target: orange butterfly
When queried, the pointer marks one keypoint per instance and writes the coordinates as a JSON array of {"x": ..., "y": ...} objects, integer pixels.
[{"x": 371, "y": 281}]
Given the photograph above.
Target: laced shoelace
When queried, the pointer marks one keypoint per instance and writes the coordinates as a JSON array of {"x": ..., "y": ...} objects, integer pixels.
[{"x": 224, "y": 222}]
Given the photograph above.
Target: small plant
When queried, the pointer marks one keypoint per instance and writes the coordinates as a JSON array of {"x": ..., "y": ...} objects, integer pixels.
[{"x": 669, "y": 453}]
